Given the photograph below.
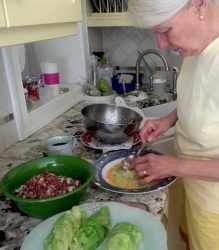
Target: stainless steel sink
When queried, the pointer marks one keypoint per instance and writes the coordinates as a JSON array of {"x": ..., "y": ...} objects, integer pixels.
[
  {"x": 164, "y": 146},
  {"x": 159, "y": 110}
]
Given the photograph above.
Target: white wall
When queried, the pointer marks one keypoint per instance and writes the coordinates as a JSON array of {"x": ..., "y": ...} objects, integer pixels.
[
  {"x": 5, "y": 100},
  {"x": 8, "y": 131},
  {"x": 68, "y": 52}
]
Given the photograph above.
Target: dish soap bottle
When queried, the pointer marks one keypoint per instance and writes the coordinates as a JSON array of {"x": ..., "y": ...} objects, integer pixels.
[{"x": 105, "y": 74}]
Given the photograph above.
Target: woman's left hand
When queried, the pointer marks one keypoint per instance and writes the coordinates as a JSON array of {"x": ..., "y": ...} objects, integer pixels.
[{"x": 153, "y": 167}]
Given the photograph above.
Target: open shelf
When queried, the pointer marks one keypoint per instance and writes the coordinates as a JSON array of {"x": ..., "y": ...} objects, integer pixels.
[
  {"x": 43, "y": 114},
  {"x": 33, "y": 104},
  {"x": 109, "y": 19},
  {"x": 106, "y": 19}
]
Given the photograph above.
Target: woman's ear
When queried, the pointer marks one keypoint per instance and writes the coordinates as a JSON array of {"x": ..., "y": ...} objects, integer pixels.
[{"x": 200, "y": 7}]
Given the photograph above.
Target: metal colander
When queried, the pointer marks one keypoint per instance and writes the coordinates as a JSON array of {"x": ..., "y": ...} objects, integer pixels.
[{"x": 110, "y": 123}]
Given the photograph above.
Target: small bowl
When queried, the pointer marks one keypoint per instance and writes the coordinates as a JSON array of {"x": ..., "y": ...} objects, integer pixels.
[{"x": 69, "y": 166}]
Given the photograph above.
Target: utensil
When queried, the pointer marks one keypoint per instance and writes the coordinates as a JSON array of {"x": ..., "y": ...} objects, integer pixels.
[
  {"x": 145, "y": 145},
  {"x": 109, "y": 123},
  {"x": 127, "y": 160}
]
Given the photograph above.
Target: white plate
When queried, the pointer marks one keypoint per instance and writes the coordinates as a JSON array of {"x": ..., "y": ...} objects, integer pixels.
[
  {"x": 88, "y": 140},
  {"x": 96, "y": 5},
  {"x": 153, "y": 232}
]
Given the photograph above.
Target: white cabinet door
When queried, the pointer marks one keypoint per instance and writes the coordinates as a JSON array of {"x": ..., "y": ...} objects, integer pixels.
[
  {"x": 2, "y": 16},
  {"x": 2, "y": 145},
  {"x": 26, "y": 12}
]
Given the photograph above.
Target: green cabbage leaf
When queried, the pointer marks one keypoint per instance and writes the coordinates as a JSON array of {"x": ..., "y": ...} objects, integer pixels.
[
  {"x": 64, "y": 228},
  {"x": 93, "y": 231},
  {"x": 124, "y": 236}
]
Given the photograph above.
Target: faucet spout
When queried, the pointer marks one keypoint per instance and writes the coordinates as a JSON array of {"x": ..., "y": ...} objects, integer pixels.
[
  {"x": 145, "y": 52},
  {"x": 175, "y": 75}
]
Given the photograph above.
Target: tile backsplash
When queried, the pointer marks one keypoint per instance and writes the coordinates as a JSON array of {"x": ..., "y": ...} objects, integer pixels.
[{"x": 125, "y": 43}]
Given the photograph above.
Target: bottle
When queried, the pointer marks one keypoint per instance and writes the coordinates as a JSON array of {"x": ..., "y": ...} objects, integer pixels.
[
  {"x": 105, "y": 74},
  {"x": 94, "y": 63}
]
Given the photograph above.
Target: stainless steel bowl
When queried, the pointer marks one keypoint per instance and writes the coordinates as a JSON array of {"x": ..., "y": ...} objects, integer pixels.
[{"x": 110, "y": 123}]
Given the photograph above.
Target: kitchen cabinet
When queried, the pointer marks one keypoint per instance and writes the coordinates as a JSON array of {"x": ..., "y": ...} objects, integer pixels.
[
  {"x": 25, "y": 21},
  {"x": 57, "y": 37},
  {"x": 69, "y": 54},
  {"x": 36, "y": 12},
  {"x": 2, "y": 16},
  {"x": 115, "y": 19}
]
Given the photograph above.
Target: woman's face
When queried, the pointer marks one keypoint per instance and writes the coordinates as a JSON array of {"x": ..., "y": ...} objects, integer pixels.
[{"x": 182, "y": 33}]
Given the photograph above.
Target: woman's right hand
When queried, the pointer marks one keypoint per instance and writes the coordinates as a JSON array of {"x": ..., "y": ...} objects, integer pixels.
[{"x": 153, "y": 129}]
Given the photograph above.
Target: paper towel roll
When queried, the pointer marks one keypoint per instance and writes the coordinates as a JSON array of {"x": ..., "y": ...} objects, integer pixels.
[{"x": 49, "y": 67}]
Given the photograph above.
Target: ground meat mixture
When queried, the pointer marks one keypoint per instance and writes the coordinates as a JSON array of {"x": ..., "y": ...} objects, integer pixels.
[{"x": 46, "y": 185}]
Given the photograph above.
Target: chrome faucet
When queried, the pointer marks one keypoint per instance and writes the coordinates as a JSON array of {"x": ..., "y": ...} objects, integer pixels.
[
  {"x": 145, "y": 52},
  {"x": 175, "y": 76}
]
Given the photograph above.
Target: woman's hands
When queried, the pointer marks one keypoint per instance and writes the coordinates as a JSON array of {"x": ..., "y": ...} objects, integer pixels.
[
  {"x": 153, "y": 167},
  {"x": 153, "y": 129}
]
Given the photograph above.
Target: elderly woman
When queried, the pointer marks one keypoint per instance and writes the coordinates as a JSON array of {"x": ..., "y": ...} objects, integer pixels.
[{"x": 190, "y": 28}]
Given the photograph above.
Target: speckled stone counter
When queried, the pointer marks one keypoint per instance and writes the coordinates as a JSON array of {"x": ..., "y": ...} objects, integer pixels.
[{"x": 14, "y": 224}]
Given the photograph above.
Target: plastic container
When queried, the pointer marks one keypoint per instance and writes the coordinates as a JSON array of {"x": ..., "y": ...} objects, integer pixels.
[
  {"x": 50, "y": 77},
  {"x": 159, "y": 86},
  {"x": 128, "y": 86}
]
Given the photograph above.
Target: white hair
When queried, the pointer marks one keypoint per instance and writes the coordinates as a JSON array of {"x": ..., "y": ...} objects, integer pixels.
[{"x": 150, "y": 13}]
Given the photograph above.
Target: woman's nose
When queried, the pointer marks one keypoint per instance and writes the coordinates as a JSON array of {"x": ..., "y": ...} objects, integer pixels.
[{"x": 162, "y": 42}]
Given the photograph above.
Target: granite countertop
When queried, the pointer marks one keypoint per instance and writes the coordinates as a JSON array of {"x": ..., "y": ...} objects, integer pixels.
[{"x": 14, "y": 224}]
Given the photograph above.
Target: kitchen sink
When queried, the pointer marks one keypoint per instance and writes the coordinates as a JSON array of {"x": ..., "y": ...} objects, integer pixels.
[
  {"x": 164, "y": 146},
  {"x": 153, "y": 112},
  {"x": 165, "y": 143},
  {"x": 159, "y": 110}
]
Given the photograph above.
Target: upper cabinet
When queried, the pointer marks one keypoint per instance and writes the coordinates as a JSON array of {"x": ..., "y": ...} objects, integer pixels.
[
  {"x": 35, "y": 12},
  {"x": 2, "y": 16},
  {"x": 24, "y": 21},
  {"x": 107, "y": 13}
]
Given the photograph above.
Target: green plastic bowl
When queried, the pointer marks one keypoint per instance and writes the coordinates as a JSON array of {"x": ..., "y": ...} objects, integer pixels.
[{"x": 69, "y": 166}]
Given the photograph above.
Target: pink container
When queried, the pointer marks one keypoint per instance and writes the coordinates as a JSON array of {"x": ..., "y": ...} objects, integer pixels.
[
  {"x": 50, "y": 73},
  {"x": 50, "y": 79}
]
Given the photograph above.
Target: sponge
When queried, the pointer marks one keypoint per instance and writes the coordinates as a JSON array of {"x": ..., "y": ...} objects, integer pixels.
[{"x": 125, "y": 78}]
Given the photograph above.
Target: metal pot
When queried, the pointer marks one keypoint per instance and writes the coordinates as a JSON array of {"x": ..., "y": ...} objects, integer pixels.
[{"x": 110, "y": 123}]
